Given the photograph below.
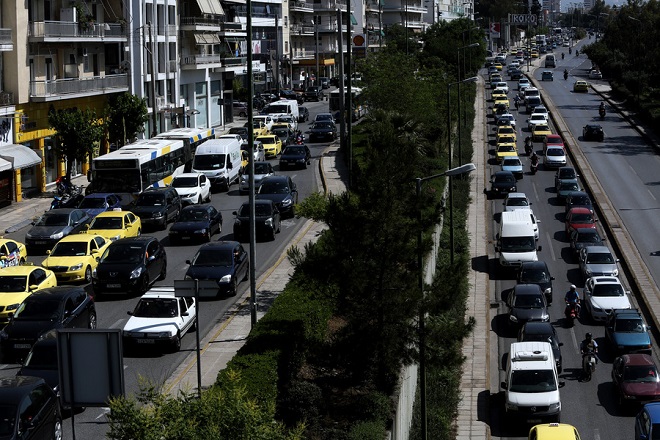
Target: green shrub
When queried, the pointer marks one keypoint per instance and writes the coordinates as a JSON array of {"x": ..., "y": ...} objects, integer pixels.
[{"x": 369, "y": 430}]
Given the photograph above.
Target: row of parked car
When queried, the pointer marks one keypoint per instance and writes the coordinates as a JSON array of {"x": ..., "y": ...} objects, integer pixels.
[{"x": 537, "y": 354}]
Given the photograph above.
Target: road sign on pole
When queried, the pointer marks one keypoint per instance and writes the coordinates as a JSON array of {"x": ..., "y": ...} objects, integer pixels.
[
  {"x": 495, "y": 29},
  {"x": 522, "y": 19}
]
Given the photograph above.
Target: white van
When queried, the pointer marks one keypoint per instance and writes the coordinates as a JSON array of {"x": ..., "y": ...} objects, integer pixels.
[
  {"x": 532, "y": 383},
  {"x": 281, "y": 108},
  {"x": 516, "y": 241},
  {"x": 531, "y": 91},
  {"x": 219, "y": 160}
]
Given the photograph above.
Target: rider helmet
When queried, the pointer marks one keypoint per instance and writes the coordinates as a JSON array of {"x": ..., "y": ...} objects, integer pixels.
[
  {"x": 573, "y": 287},
  {"x": 588, "y": 336}
]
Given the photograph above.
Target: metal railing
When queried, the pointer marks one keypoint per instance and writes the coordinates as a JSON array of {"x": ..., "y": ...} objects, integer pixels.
[
  {"x": 300, "y": 5},
  {"x": 331, "y": 4},
  {"x": 197, "y": 60},
  {"x": 77, "y": 85},
  {"x": 64, "y": 29},
  {"x": 167, "y": 29},
  {"x": 301, "y": 29},
  {"x": 5, "y": 36},
  {"x": 6, "y": 98}
]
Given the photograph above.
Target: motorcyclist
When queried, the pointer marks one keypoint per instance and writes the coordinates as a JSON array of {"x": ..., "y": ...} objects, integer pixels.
[
  {"x": 535, "y": 159},
  {"x": 570, "y": 50},
  {"x": 565, "y": 74},
  {"x": 572, "y": 298},
  {"x": 589, "y": 345},
  {"x": 562, "y": 55},
  {"x": 516, "y": 102},
  {"x": 602, "y": 106},
  {"x": 577, "y": 53}
]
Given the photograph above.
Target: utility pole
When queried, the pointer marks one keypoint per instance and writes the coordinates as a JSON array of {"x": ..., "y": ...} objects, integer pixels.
[
  {"x": 342, "y": 116},
  {"x": 154, "y": 114},
  {"x": 349, "y": 96},
  {"x": 252, "y": 220},
  {"x": 277, "y": 54},
  {"x": 316, "y": 41}
]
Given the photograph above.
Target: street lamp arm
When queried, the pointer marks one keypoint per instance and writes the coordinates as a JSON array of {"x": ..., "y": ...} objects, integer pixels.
[{"x": 468, "y": 167}]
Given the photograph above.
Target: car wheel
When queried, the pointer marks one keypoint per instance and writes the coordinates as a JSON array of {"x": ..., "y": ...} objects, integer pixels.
[
  {"x": 57, "y": 428},
  {"x": 199, "y": 200},
  {"x": 176, "y": 345},
  {"x": 163, "y": 272},
  {"x": 272, "y": 234},
  {"x": 144, "y": 285},
  {"x": 208, "y": 198},
  {"x": 88, "y": 274},
  {"x": 234, "y": 288},
  {"x": 139, "y": 232},
  {"x": 247, "y": 274},
  {"x": 91, "y": 324},
  {"x": 207, "y": 237}
]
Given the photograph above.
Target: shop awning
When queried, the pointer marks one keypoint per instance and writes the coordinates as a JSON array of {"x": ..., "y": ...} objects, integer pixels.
[
  {"x": 4, "y": 165},
  {"x": 207, "y": 39},
  {"x": 211, "y": 7},
  {"x": 20, "y": 156}
]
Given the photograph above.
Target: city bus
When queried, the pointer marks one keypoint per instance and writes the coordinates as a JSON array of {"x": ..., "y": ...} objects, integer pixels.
[
  {"x": 192, "y": 137},
  {"x": 135, "y": 167},
  {"x": 359, "y": 108}
]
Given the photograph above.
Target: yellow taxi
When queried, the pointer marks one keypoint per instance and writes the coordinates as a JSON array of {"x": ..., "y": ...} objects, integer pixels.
[
  {"x": 12, "y": 253},
  {"x": 504, "y": 101},
  {"x": 74, "y": 257},
  {"x": 258, "y": 128},
  {"x": 540, "y": 131},
  {"x": 554, "y": 431},
  {"x": 114, "y": 225},
  {"x": 505, "y": 150},
  {"x": 18, "y": 282},
  {"x": 581, "y": 86},
  {"x": 535, "y": 54},
  {"x": 498, "y": 66},
  {"x": 272, "y": 145},
  {"x": 506, "y": 130},
  {"x": 245, "y": 160},
  {"x": 283, "y": 125},
  {"x": 506, "y": 139},
  {"x": 498, "y": 94}
]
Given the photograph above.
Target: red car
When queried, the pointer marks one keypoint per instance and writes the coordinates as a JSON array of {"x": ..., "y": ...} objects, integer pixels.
[
  {"x": 635, "y": 378},
  {"x": 554, "y": 140},
  {"x": 579, "y": 218}
]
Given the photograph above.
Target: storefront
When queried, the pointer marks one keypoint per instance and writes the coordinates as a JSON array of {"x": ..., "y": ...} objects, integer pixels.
[
  {"x": 26, "y": 164},
  {"x": 6, "y": 182}
]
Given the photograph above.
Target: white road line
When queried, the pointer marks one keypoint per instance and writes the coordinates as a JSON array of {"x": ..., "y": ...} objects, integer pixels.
[
  {"x": 574, "y": 339},
  {"x": 104, "y": 411},
  {"x": 536, "y": 193},
  {"x": 633, "y": 170},
  {"x": 118, "y": 324},
  {"x": 596, "y": 434},
  {"x": 651, "y": 194},
  {"x": 552, "y": 250}
]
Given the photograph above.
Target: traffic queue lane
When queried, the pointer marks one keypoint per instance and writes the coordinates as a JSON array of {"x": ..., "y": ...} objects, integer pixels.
[
  {"x": 590, "y": 406},
  {"x": 112, "y": 309}
]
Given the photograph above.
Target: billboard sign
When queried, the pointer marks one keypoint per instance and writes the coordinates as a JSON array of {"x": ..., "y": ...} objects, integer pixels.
[
  {"x": 522, "y": 19},
  {"x": 495, "y": 30}
]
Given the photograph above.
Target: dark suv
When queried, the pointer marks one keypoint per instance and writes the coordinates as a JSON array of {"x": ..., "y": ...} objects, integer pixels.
[
  {"x": 314, "y": 93},
  {"x": 593, "y": 132},
  {"x": 30, "y": 409},
  {"x": 157, "y": 206},
  {"x": 130, "y": 265},
  {"x": 537, "y": 272}
]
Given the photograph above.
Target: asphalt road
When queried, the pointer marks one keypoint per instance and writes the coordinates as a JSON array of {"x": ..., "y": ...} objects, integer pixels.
[
  {"x": 624, "y": 165},
  {"x": 111, "y": 310}
]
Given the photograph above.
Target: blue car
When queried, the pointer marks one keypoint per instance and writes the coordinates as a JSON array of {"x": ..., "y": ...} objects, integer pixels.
[
  {"x": 94, "y": 204},
  {"x": 647, "y": 422},
  {"x": 626, "y": 331}
]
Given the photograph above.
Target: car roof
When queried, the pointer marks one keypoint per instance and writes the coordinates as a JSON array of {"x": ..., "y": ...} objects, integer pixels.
[
  {"x": 203, "y": 208},
  {"x": 118, "y": 213},
  {"x": 13, "y": 389},
  {"x": 275, "y": 177},
  {"x": 516, "y": 195},
  {"x": 260, "y": 202},
  {"x": 578, "y": 194},
  {"x": 538, "y": 328},
  {"x": 188, "y": 175},
  {"x": 555, "y": 430},
  {"x": 155, "y": 189},
  {"x": 596, "y": 250},
  {"x": 592, "y": 231},
  {"x": 579, "y": 209},
  {"x": 160, "y": 292},
  {"x": 604, "y": 279},
  {"x": 638, "y": 359},
  {"x": 534, "y": 265},
  {"x": 219, "y": 245},
  {"x": 527, "y": 289},
  {"x": 593, "y": 126},
  {"x": 79, "y": 238},
  {"x": 24, "y": 269},
  {"x": 143, "y": 240},
  {"x": 54, "y": 292}
]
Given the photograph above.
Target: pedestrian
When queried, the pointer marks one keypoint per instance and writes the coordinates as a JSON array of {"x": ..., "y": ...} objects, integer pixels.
[{"x": 517, "y": 104}]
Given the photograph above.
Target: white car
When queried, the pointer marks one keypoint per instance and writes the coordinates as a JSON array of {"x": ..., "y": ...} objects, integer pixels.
[
  {"x": 502, "y": 85},
  {"x": 513, "y": 164},
  {"x": 541, "y": 109},
  {"x": 289, "y": 120},
  {"x": 193, "y": 188},
  {"x": 262, "y": 170},
  {"x": 555, "y": 157},
  {"x": 536, "y": 119},
  {"x": 509, "y": 117},
  {"x": 523, "y": 83},
  {"x": 257, "y": 150},
  {"x": 602, "y": 294},
  {"x": 160, "y": 319},
  {"x": 515, "y": 201},
  {"x": 595, "y": 74},
  {"x": 266, "y": 119}
]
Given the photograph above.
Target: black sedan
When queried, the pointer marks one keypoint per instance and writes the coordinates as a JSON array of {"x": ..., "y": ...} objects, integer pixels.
[
  {"x": 578, "y": 199},
  {"x": 130, "y": 265},
  {"x": 266, "y": 216},
  {"x": 583, "y": 237},
  {"x": 44, "y": 310},
  {"x": 52, "y": 226},
  {"x": 593, "y": 132},
  {"x": 30, "y": 409},
  {"x": 295, "y": 156},
  {"x": 196, "y": 222},
  {"x": 527, "y": 303},
  {"x": 225, "y": 262},
  {"x": 282, "y": 191},
  {"x": 502, "y": 182},
  {"x": 286, "y": 135},
  {"x": 320, "y": 131},
  {"x": 537, "y": 272}
]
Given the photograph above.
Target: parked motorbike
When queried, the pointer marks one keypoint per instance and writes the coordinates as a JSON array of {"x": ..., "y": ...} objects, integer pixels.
[
  {"x": 601, "y": 112},
  {"x": 588, "y": 364},
  {"x": 571, "y": 312},
  {"x": 66, "y": 201}
]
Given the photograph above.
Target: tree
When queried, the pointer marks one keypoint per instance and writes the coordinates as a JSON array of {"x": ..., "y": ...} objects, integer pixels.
[
  {"x": 126, "y": 115},
  {"x": 77, "y": 133}
]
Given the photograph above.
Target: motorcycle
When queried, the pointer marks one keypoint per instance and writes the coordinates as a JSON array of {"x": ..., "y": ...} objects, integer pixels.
[
  {"x": 571, "y": 312},
  {"x": 577, "y": 53},
  {"x": 588, "y": 364},
  {"x": 66, "y": 201},
  {"x": 570, "y": 50},
  {"x": 534, "y": 167},
  {"x": 562, "y": 56},
  {"x": 601, "y": 112},
  {"x": 299, "y": 139},
  {"x": 528, "y": 148},
  {"x": 565, "y": 75}
]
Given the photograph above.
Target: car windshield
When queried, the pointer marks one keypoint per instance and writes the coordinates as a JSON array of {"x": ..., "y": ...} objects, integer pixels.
[
  {"x": 213, "y": 257},
  {"x": 106, "y": 223},
  {"x": 92, "y": 203},
  {"x": 568, "y": 186},
  {"x": 123, "y": 253},
  {"x": 641, "y": 374},
  {"x": 209, "y": 161},
  {"x": 566, "y": 173},
  {"x": 53, "y": 220},
  {"x": 274, "y": 187},
  {"x": 267, "y": 140},
  {"x": 539, "y": 337},
  {"x": 69, "y": 249},
  {"x": 517, "y": 201},
  {"x": 511, "y": 163},
  {"x": 504, "y": 179},
  {"x": 328, "y": 125},
  {"x": 505, "y": 148},
  {"x": 43, "y": 357},
  {"x": 261, "y": 168},
  {"x": 580, "y": 200},
  {"x": 600, "y": 258},
  {"x": 582, "y": 218},
  {"x": 150, "y": 199},
  {"x": 629, "y": 325},
  {"x": 554, "y": 152},
  {"x": 588, "y": 237},
  {"x": 323, "y": 117},
  {"x": 534, "y": 276},
  {"x": 528, "y": 302},
  {"x": 294, "y": 150},
  {"x": 193, "y": 215},
  {"x": 281, "y": 132},
  {"x": 43, "y": 309},
  {"x": 604, "y": 290},
  {"x": 518, "y": 244},
  {"x": 260, "y": 209},
  {"x": 532, "y": 381},
  {"x": 13, "y": 283},
  {"x": 155, "y": 308},
  {"x": 185, "y": 182}
]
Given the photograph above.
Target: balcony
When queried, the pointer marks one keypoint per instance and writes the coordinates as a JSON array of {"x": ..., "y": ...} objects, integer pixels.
[
  {"x": 299, "y": 6},
  {"x": 298, "y": 29},
  {"x": 71, "y": 31},
  {"x": 213, "y": 24},
  {"x": 167, "y": 29},
  {"x": 6, "y": 44},
  {"x": 330, "y": 5},
  {"x": 45, "y": 91},
  {"x": 194, "y": 62},
  {"x": 331, "y": 27}
]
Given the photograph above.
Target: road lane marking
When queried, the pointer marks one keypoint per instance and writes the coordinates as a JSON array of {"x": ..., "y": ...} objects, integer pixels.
[
  {"x": 552, "y": 250},
  {"x": 574, "y": 339},
  {"x": 633, "y": 170},
  {"x": 118, "y": 324},
  {"x": 596, "y": 434},
  {"x": 536, "y": 193},
  {"x": 651, "y": 194}
]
